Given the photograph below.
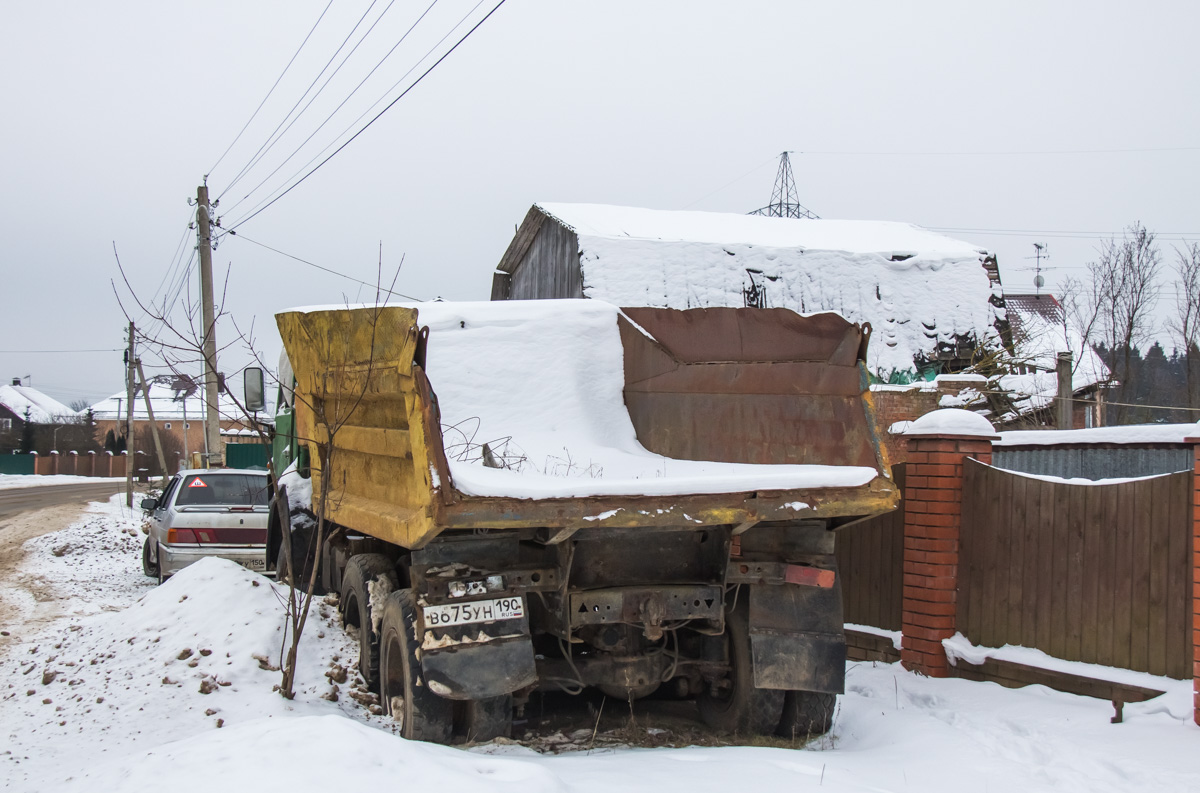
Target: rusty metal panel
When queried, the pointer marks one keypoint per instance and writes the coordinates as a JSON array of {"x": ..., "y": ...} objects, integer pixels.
[{"x": 749, "y": 386}]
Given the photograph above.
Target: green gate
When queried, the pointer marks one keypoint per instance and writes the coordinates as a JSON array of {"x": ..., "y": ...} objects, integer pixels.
[
  {"x": 246, "y": 455},
  {"x": 17, "y": 463}
]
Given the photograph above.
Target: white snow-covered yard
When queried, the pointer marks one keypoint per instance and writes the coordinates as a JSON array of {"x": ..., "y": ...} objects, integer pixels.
[
  {"x": 139, "y": 687},
  {"x": 15, "y": 481}
]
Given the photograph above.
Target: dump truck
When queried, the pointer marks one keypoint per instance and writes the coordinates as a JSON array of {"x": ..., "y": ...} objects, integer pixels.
[{"x": 562, "y": 494}]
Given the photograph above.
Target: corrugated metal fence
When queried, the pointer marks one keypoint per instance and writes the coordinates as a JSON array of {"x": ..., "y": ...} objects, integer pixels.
[{"x": 1094, "y": 461}]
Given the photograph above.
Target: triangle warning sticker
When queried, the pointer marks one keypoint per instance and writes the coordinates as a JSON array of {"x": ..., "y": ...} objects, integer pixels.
[{"x": 197, "y": 482}]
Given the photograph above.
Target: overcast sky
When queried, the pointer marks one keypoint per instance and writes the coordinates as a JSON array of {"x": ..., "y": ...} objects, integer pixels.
[{"x": 1026, "y": 117}]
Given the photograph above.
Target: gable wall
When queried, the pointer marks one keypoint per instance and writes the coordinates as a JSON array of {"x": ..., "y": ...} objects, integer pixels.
[{"x": 550, "y": 268}]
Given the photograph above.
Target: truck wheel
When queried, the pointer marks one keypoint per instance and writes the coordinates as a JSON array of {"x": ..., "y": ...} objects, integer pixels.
[
  {"x": 364, "y": 572},
  {"x": 301, "y": 561},
  {"x": 487, "y": 719},
  {"x": 806, "y": 714},
  {"x": 149, "y": 566},
  {"x": 736, "y": 706},
  {"x": 422, "y": 715}
]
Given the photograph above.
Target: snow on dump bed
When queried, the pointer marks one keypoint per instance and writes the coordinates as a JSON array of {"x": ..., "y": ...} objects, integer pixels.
[
  {"x": 915, "y": 287},
  {"x": 541, "y": 383}
]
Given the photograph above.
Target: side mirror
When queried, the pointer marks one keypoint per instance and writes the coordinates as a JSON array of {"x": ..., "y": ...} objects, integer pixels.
[
  {"x": 149, "y": 504},
  {"x": 255, "y": 393}
]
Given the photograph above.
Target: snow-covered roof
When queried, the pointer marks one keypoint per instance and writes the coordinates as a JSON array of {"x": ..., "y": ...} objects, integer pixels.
[
  {"x": 1039, "y": 334},
  {"x": 916, "y": 288},
  {"x": 42, "y": 409},
  {"x": 168, "y": 405},
  {"x": 1129, "y": 434}
]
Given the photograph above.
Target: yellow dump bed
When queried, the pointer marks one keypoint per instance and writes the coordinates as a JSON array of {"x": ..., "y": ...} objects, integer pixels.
[{"x": 560, "y": 415}]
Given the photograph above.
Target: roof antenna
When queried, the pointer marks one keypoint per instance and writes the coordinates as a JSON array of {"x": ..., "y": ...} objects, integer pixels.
[{"x": 785, "y": 202}]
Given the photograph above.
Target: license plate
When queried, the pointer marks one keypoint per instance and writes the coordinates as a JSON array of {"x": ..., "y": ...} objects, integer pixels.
[
  {"x": 254, "y": 564},
  {"x": 475, "y": 611}
]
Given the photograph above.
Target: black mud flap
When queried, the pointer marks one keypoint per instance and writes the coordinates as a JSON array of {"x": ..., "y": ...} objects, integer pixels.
[
  {"x": 478, "y": 671},
  {"x": 797, "y": 639}
]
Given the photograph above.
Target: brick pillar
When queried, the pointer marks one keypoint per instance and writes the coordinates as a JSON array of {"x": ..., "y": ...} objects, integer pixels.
[
  {"x": 1196, "y": 581},
  {"x": 937, "y": 444}
]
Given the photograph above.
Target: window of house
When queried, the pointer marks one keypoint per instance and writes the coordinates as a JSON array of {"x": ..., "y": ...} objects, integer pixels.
[
  {"x": 5, "y": 424},
  {"x": 167, "y": 426}
]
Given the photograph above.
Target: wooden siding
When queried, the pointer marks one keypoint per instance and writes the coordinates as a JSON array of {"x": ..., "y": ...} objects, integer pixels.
[
  {"x": 1093, "y": 573},
  {"x": 870, "y": 557},
  {"x": 549, "y": 267}
]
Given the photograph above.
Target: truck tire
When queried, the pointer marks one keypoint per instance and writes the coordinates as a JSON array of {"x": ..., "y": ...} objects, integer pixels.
[
  {"x": 738, "y": 707},
  {"x": 806, "y": 714},
  {"x": 487, "y": 719},
  {"x": 301, "y": 561},
  {"x": 421, "y": 714},
  {"x": 362, "y": 572},
  {"x": 149, "y": 566}
]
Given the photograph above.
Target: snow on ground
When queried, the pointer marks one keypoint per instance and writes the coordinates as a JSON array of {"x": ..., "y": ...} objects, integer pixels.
[
  {"x": 115, "y": 701},
  {"x": 12, "y": 481}
]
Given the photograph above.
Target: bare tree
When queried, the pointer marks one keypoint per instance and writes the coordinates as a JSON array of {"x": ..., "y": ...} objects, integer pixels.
[
  {"x": 1114, "y": 307},
  {"x": 1185, "y": 324}
]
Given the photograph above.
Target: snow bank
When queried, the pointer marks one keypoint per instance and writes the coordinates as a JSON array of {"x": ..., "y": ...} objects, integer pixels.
[
  {"x": 951, "y": 421},
  {"x": 868, "y": 271},
  {"x": 959, "y": 647},
  {"x": 10, "y": 481},
  {"x": 1131, "y": 434}
]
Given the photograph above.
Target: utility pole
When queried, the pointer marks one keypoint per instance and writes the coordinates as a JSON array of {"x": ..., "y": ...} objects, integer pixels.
[
  {"x": 212, "y": 423},
  {"x": 129, "y": 447},
  {"x": 1063, "y": 403},
  {"x": 162, "y": 460}
]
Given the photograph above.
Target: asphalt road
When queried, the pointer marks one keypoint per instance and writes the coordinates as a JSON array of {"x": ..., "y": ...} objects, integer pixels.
[{"x": 14, "y": 501}]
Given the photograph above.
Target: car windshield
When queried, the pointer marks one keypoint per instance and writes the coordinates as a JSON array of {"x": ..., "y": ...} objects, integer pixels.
[{"x": 222, "y": 489}]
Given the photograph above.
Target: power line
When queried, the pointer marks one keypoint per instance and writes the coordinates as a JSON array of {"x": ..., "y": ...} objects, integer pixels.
[
  {"x": 1182, "y": 235},
  {"x": 272, "y": 90},
  {"x": 733, "y": 182},
  {"x": 1006, "y": 153},
  {"x": 326, "y": 269},
  {"x": 389, "y": 106},
  {"x": 342, "y": 104},
  {"x": 47, "y": 352},
  {"x": 365, "y": 113},
  {"x": 272, "y": 139}
]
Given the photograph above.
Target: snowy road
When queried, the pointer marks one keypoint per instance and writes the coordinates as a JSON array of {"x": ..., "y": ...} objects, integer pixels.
[
  {"x": 15, "y": 500},
  {"x": 133, "y": 687}
]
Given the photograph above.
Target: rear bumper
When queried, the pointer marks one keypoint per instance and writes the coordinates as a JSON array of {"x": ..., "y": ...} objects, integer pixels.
[{"x": 173, "y": 558}]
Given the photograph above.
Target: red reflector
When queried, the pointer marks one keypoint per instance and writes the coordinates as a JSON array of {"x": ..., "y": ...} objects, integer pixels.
[
  {"x": 181, "y": 535},
  {"x": 809, "y": 576}
]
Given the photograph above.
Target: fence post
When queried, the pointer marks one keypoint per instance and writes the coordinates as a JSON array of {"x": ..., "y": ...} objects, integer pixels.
[
  {"x": 1195, "y": 579},
  {"x": 937, "y": 444}
]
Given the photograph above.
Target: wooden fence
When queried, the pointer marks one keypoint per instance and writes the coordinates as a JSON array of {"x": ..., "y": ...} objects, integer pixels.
[
  {"x": 870, "y": 559},
  {"x": 1095, "y": 573}
]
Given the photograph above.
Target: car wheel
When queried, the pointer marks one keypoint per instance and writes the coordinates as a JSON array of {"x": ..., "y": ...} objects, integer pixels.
[
  {"x": 149, "y": 566},
  {"x": 403, "y": 690},
  {"x": 367, "y": 572},
  {"x": 806, "y": 714},
  {"x": 733, "y": 704},
  {"x": 158, "y": 567}
]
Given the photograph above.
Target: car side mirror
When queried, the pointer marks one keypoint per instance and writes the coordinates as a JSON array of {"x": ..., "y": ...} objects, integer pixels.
[
  {"x": 253, "y": 389},
  {"x": 149, "y": 504}
]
